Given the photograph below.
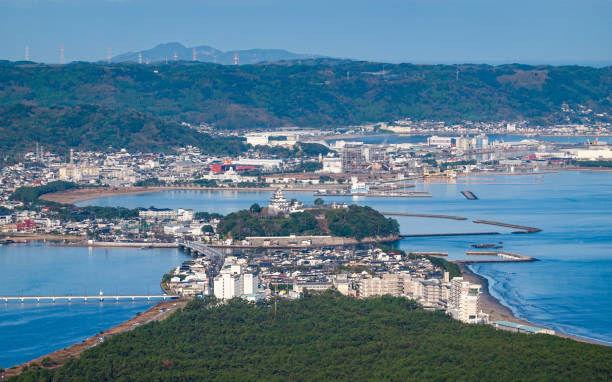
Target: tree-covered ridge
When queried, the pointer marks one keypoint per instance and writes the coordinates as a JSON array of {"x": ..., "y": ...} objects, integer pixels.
[
  {"x": 241, "y": 224},
  {"x": 30, "y": 194},
  {"x": 92, "y": 127},
  {"x": 360, "y": 222},
  {"x": 354, "y": 222},
  {"x": 312, "y": 92},
  {"x": 328, "y": 337}
]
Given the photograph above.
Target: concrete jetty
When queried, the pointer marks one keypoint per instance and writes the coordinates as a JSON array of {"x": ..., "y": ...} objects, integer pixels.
[
  {"x": 428, "y": 253},
  {"x": 502, "y": 257},
  {"x": 450, "y": 217},
  {"x": 450, "y": 234},
  {"x": 522, "y": 228}
]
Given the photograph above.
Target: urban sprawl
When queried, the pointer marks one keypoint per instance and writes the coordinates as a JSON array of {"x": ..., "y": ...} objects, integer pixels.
[{"x": 330, "y": 163}]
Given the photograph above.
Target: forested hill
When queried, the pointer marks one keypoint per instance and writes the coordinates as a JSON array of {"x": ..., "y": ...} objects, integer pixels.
[
  {"x": 328, "y": 337},
  {"x": 320, "y": 92},
  {"x": 92, "y": 127}
]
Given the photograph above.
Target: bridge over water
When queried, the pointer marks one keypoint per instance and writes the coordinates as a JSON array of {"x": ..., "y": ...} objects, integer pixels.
[{"x": 85, "y": 298}]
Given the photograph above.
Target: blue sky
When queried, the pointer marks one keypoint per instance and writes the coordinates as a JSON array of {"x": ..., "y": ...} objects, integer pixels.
[{"x": 420, "y": 31}]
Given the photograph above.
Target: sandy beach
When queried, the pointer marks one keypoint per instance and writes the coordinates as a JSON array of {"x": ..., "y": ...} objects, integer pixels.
[{"x": 78, "y": 195}]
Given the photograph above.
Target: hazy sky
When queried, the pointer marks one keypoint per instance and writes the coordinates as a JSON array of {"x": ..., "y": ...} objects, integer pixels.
[{"x": 422, "y": 31}]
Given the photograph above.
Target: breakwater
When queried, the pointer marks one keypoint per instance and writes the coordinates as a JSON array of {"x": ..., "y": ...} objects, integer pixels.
[
  {"x": 449, "y": 234},
  {"x": 522, "y": 228},
  {"x": 502, "y": 257},
  {"x": 450, "y": 217}
]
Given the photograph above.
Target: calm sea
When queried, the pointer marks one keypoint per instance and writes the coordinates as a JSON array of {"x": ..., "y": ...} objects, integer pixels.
[
  {"x": 30, "y": 330},
  {"x": 567, "y": 290}
]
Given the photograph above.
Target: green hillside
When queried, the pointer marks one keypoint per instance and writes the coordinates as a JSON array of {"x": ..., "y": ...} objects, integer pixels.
[
  {"x": 354, "y": 222},
  {"x": 321, "y": 92},
  {"x": 91, "y": 127},
  {"x": 327, "y": 338}
]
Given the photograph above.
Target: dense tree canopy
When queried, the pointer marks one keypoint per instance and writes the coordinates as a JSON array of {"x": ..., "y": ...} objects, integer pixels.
[
  {"x": 355, "y": 222},
  {"x": 311, "y": 92},
  {"x": 328, "y": 337},
  {"x": 359, "y": 222},
  {"x": 90, "y": 127},
  {"x": 245, "y": 223},
  {"x": 30, "y": 194}
]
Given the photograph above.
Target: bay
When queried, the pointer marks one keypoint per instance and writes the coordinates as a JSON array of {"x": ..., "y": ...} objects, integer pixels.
[
  {"x": 30, "y": 330},
  {"x": 566, "y": 290}
]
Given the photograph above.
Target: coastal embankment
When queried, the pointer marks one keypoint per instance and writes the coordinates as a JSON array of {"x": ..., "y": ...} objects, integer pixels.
[{"x": 56, "y": 359}]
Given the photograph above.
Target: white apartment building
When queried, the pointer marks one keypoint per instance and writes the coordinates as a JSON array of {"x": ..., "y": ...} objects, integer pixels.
[
  {"x": 161, "y": 213},
  {"x": 185, "y": 215},
  {"x": 388, "y": 284},
  {"x": 439, "y": 141},
  {"x": 463, "y": 301},
  {"x": 227, "y": 286},
  {"x": 232, "y": 282},
  {"x": 332, "y": 165}
]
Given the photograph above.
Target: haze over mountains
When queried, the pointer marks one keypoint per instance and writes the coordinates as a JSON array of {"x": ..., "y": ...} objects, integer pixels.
[{"x": 175, "y": 51}]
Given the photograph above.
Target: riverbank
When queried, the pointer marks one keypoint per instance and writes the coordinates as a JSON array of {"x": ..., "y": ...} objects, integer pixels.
[
  {"x": 158, "y": 312},
  {"x": 496, "y": 311}
]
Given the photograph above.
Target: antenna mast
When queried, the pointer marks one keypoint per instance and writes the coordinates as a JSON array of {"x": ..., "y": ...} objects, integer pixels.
[
  {"x": 27, "y": 53},
  {"x": 62, "y": 59},
  {"x": 275, "y": 297}
]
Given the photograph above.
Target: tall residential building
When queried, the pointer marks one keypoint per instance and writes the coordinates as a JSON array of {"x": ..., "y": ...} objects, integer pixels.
[
  {"x": 232, "y": 282},
  {"x": 388, "y": 284},
  {"x": 249, "y": 283},
  {"x": 227, "y": 286},
  {"x": 463, "y": 301}
]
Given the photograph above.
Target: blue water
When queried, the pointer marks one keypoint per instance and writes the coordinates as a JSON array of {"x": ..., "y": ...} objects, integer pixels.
[
  {"x": 30, "y": 330},
  {"x": 567, "y": 290}
]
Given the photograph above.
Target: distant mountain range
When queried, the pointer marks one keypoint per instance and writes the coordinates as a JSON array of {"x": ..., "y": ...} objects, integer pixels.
[{"x": 175, "y": 51}]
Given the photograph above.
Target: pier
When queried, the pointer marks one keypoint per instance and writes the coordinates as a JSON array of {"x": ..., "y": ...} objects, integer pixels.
[
  {"x": 450, "y": 217},
  {"x": 522, "y": 228},
  {"x": 428, "y": 253},
  {"x": 449, "y": 234},
  {"x": 502, "y": 257},
  {"x": 85, "y": 298}
]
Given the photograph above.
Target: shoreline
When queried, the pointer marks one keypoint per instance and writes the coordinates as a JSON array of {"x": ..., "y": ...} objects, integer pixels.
[
  {"x": 81, "y": 194},
  {"x": 497, "y": 311},
  {"x": 59, "y": 357}
]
